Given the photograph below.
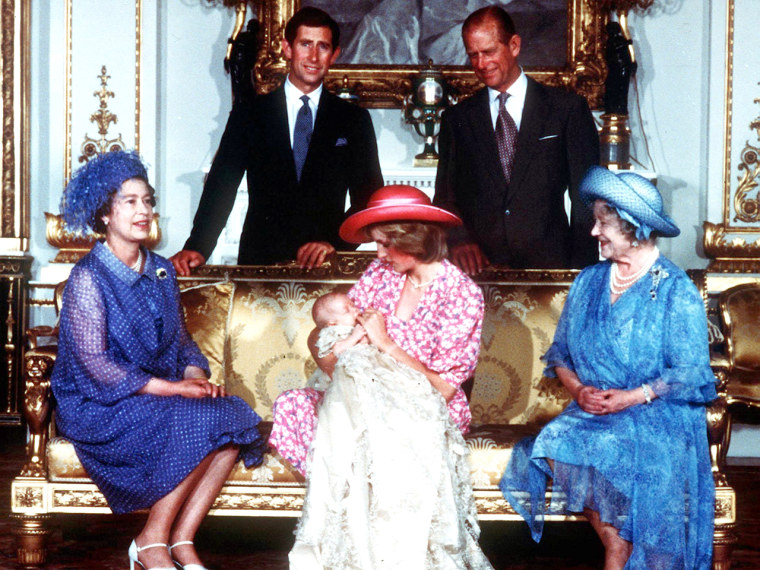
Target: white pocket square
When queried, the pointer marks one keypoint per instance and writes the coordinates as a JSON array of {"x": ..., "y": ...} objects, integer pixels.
[
  {"x": 341, "y": 142},
  {"x": 548, "y": 137}
]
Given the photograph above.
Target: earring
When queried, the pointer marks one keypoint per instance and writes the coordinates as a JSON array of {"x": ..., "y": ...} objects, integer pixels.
[{"x": 635, "y": 243}]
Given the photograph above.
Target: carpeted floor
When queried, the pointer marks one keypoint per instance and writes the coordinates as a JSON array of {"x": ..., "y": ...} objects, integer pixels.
[{"x": 100, "y": 542}]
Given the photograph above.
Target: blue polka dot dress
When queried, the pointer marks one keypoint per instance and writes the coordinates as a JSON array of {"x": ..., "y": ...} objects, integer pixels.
[{"x": 119, "y": 329}]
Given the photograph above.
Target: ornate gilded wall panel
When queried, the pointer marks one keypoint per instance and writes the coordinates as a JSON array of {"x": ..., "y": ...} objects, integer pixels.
[{"x": 733, "y": 244}]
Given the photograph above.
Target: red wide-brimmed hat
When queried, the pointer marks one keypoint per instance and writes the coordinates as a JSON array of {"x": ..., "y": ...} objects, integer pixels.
[{"x": 395, "y": 203}]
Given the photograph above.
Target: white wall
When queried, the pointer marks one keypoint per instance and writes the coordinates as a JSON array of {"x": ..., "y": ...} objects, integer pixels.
[
  {"x": 195, "y": 101},
  {"x": 672, "y": 48}
]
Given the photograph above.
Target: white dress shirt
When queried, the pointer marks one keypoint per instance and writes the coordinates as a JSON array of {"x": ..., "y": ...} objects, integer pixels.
[
  {"x": 293, "y": 104},
  {"x": 515, "y": 103}
]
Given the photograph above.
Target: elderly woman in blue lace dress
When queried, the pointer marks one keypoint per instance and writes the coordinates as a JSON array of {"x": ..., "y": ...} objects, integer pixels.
[
  {"x": 631, "y": 451},
  {"x": 132, "y": 388}
]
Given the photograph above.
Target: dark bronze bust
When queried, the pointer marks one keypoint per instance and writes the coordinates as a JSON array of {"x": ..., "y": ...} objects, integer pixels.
[
  {"x": 620, "y": 68},
  {"x": 241, "y": 61}
]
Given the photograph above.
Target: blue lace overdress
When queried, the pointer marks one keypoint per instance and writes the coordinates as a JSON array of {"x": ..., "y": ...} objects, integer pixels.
[
  {"x": 646, "y": 469},
  {"x": 118, "y": 329}
]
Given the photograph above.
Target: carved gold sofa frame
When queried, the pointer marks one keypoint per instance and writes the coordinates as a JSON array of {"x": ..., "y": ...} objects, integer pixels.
[
  {"x": 738, "y": 368},
  {"x": 252, "y": 323}
]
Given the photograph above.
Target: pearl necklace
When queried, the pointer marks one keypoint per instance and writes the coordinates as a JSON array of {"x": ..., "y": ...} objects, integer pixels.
[
  {"x": 619, "y": 285},
  {"x": 136, "y": 265},
  {"x": 416, "y": 285}
]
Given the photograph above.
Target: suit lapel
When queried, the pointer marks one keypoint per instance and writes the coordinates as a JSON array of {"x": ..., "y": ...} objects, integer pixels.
[
  {"x": 531, "y": 126},
  {"x": 323, "y": 134},
  {"x": 484, "y": 137},
  {"x": 276, "y": 128}
]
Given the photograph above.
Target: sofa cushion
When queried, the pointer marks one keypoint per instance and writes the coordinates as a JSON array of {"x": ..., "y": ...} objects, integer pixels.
[
  {"x": 64, "y": 467},
  {"x": 744, "y": 385},
  {"x": 269, "y": 321},
  {"x": 518, "y": 329},
  {"x": 63, "y": 463},
  {"x": 268, "y": 328},
  {"x": 207, "y": 310},
  {"x": 490, "y": 448}
]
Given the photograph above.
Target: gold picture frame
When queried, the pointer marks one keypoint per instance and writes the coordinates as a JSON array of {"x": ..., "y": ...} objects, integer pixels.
[{"x": 385, "y": 86}]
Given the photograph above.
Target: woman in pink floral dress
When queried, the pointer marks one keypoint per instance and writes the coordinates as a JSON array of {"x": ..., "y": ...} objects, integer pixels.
[{"x": 423, "y": 312}]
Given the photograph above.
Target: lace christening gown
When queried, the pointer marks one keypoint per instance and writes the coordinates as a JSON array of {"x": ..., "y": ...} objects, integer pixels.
[{"x": 389, "y": 481}]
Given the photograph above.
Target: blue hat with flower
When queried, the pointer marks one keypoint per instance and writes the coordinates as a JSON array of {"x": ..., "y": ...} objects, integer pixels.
[
  {"x": 635, "y": 198},
  {"x": 92, "y": 184}
]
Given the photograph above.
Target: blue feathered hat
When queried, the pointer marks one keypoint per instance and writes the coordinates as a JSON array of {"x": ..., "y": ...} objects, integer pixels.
[
  {"x": 636, "y": 199},
  {"x": 92, "y": 184}
]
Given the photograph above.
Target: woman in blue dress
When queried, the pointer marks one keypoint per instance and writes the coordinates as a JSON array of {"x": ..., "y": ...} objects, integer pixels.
[
  {"x": 132, "y": 388},
  {"x": 631, "y": 451}
]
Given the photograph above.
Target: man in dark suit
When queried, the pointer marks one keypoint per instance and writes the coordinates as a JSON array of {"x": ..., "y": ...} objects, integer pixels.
[
  {"x": 509, "y": 191},
  {"x": 302, "y": 149}
]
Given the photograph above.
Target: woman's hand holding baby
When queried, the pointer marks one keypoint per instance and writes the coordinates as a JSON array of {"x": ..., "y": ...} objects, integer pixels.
[
  {"x": 374, "y": 323},
  {"x": 358, "y": 335}
]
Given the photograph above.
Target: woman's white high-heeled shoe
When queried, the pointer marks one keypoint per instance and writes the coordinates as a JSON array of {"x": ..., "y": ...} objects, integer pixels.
[
  {"x": 134, "y": 550},
  {"x": 186, "y": 566}
]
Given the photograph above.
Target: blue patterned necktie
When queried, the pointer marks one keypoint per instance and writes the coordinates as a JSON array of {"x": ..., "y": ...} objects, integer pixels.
[
  {"x": 506, "y": 137},
  {"x": 302, "y": 135}
]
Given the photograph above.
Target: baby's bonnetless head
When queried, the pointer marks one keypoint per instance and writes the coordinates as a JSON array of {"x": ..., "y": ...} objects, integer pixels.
[{"x": 333, "y": 309}]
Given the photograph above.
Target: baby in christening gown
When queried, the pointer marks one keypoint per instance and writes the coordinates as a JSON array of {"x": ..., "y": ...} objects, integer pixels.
[
  {"x": 388, "y": 474},
  {"x": 335, "y": 316}
]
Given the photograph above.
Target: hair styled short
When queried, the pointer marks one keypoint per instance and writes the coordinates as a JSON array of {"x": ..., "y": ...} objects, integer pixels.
[
  {"x": 313, "y": 18},
  {"x": 426, "y": 241},
  {"x": 626, "y": 227},
  {"x": 495, "y": 14},
  {"x": 322, "y": 306}
]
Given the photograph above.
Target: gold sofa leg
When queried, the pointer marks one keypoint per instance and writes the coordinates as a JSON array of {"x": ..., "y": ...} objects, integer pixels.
[
  {"x": 724, "y": 540},
  {"x": 724, "y": 535},
  {"x": 31, "y": 536}
]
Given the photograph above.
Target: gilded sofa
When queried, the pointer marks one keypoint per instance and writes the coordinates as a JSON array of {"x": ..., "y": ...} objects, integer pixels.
[{"x": 252, "y": 323}]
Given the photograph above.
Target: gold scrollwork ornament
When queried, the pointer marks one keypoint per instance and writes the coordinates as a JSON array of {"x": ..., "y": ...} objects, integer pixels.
[
  {"x": 730, "y": 253},
  {"x": 28, "y": 497},
  {"x": 259, "y": 501},
  {"x": 748, "y": 209},
  {"x": 103, "y": 119},
  {"x": 78, "y": 498}
]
